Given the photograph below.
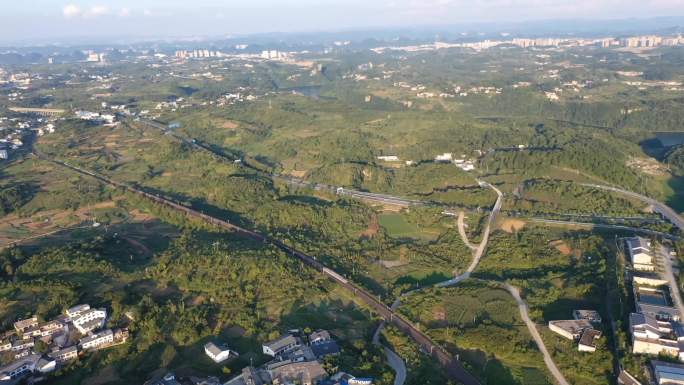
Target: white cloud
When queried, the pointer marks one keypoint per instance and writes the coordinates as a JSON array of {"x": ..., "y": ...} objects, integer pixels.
[
  {"x": 71, "y": 10},
  {"x": 125, "y": 12}
]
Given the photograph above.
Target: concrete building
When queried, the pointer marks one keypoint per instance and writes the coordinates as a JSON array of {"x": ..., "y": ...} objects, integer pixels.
[
  {"x": 667, "y": 373},
  {"x": 654, "y": 337},
  {"x": 570, "y": 329},
  {"x": 96, "y": 340},
  {"x": 77, "y": 310},
  {"x": 28, "y": 364},
  {"x": 641, "y": 254},
  {"x": 216, "y": 353},
  {"x": 89, "y": 320},
  {"x": 281, "y": 345},
  {"x": 304, "y": 373},
  {"x": 64, "y": 355},
  {"x": 587, "y": 342},
  {"x": 654, "y": 302},
  {"x": 24, "y": 324}
]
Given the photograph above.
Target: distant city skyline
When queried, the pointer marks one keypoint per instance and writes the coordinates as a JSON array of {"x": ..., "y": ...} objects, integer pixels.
[{"x": 54, "y": 19}]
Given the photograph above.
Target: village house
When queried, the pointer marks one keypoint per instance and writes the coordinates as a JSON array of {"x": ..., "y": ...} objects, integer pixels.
[
  {"x": 89, "y": 320},
  {"x": 667, "y": 373},
  {"x": 24, "y": 324},
  {"x": 641, "y": 254},
  {"x": 281, "y": 345},
  {"x": 654, "y": 337},
  {"x": 570, "y": 329},
  {"x": 218, "y": 354},
  {"x": 28, "y": 364},
  {"x": 96, "y": 340},
  {"x": 64, "y": 355}
]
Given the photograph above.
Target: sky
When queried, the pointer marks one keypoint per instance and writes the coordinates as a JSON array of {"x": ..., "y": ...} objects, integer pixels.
[{"x": 58, "y": 19}]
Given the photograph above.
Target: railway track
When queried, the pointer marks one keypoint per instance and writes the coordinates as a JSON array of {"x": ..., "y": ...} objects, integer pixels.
[{"x": 453, "y": 367}]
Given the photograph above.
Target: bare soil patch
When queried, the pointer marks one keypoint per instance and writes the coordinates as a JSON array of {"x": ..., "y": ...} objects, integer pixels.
[
  {"x": 561, "y": 246},
  {"x": 511, "y": 225}
]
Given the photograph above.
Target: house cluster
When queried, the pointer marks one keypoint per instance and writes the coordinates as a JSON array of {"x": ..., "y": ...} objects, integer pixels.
[
  {"x": 78, "y": 330},
  {"x": 13, "y": 132},
  {"x": 296, "y": 359},
  {"x": 463, "y": 162},
  {"x": 655, "y": 326},
  {"x": 97, "y": 117},
  {"x": 580, "y": 329}
]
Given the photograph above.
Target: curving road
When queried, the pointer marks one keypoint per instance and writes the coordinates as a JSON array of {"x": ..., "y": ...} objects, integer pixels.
[
  {"x": 480, "y": 250},
  {"x": 461, "y": 231},
  {"x": 524, "y": 313},
  {"x": 658, "y": 207}
]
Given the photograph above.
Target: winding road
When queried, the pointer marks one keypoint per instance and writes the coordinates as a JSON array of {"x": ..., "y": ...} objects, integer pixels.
[
  {"x": 524, "y": 313},
  {"x": 480, "y": 250}
]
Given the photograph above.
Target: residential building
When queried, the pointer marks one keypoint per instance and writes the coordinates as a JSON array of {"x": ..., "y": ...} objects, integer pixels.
[
  {"x": 22, "y": 344},
  {"x": 319, "y": 336},
  {"x": 667, "y": 373},
  {"x": 654, "y": 302},
  {"x": 77, "y": 310},
  {"x": 587, "y": 342},
  {"x": 89, "y": 320},
  {"x": 216, "y": 353},
  {"x": 4, "y": 154},
  {"x": 251, "y": 376},
  {"x": 446, "y": 157},
  {"x": 64, "y": 355},
  {"x": 28, "y": 364},
  {"x": 5, "y": 345},
  {"x": 96, "y": 340},
  {"x": 651, "y": 336},
  {"x": 304, "y": 373},
  {"x": 641, "y": 254},
  {"x": 570, "y": 329},
  {"x": 24, "y": 324},
  {"x": 281, "y": 345}
]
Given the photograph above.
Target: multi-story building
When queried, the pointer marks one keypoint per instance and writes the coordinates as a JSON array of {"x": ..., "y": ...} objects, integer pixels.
[
  {"x": 96, "y": 340},
  {"x": 64, "y": 355},
  {"x": 89, "y": 320}
]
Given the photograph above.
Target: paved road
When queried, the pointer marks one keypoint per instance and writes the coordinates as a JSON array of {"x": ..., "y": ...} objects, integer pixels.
[
  {"x": 664, "y": 252},
  {"x": 658, "y": 207},
  {"x": 393, "y": 359},
  {"x": 602, "y": 226},
  {"x": 524, "y": 313},
  {"x": 480, "y": 250}
]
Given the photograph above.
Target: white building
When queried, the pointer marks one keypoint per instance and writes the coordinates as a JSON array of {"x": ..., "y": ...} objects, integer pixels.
[
  {"x": 650, "y": 336},
  {"x": 30, "y": 363},
  {"x": 281, "y": 345},
  {"x": 446, "y": 157},
  {"x": 89, "y": 320},
  {"x": 388, "y": 158},
  {"x": 64, "y": 355},
  {"x": 641, "y": 254},
  {"x": 216, "y": 353},
  {"x": 97, "y": 340},
  {"x": 570, "y": 329}
]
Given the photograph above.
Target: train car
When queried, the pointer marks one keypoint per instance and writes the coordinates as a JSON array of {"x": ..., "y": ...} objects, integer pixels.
[{"x": 335, "y": 275}]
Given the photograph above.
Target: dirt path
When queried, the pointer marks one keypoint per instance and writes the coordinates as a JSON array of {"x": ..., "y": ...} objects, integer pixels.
[
  {"x": 462, "y": 232},
  {"x": 550, "y": 364}
]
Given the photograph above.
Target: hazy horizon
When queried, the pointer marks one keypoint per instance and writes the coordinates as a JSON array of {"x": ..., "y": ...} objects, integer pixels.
[{"x": 48, "y": 20}]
